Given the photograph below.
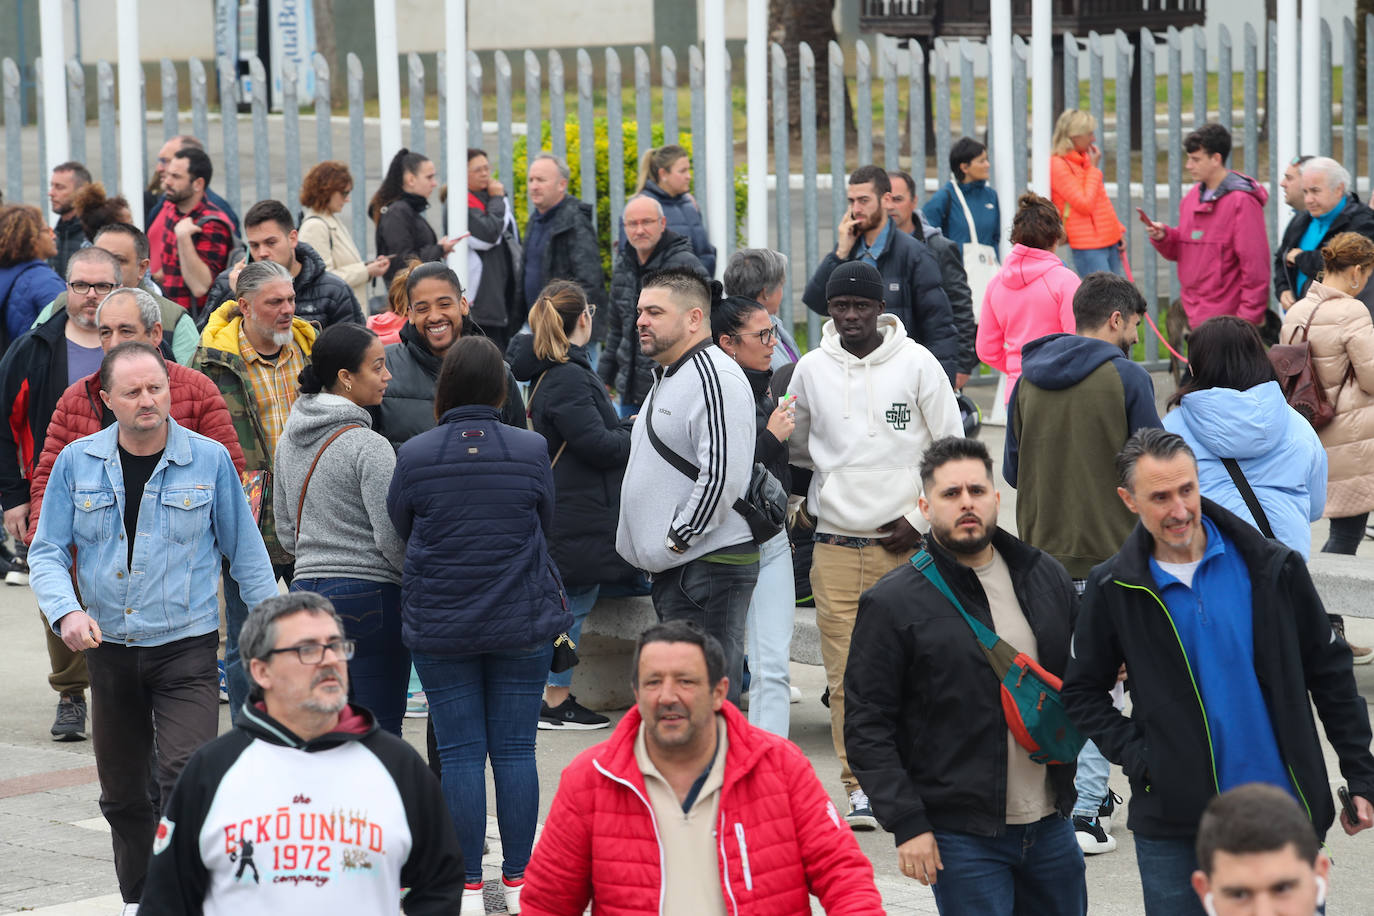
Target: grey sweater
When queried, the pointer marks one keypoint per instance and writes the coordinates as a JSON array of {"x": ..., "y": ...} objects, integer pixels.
[
  {"x": 703, "y": 409},
  {"x": 346, "y": 532}
]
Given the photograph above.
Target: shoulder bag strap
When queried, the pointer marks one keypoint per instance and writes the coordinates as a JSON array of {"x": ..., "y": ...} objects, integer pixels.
[
  {"x": 925, "y": 565},
  {"x": 968, "y": 216},
  {"x": 1251, "y": 501},
  {"x": 680, "y": 464},
  {"x": 300, "y": 503}
]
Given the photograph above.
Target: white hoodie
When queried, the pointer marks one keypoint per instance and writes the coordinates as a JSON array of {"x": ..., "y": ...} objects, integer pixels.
[{"x": 863, "y": 425}]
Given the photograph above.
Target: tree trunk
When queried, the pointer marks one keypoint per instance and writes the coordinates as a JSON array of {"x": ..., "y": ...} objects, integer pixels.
[
  {"x": 328, "y": 48},
  {"x": 812, "y": 21}
]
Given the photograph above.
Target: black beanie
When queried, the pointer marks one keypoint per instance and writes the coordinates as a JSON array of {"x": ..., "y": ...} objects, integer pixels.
[{"x": 855, "y": 278}]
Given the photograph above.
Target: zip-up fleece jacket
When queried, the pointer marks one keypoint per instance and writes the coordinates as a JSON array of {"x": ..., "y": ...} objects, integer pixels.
[
  {"x": 196, "y": 405},
  {"x": 1165, "y": 747},
  {"x": 862, "y": 426},
  {"x": 780, "y": 837},
  {"x": 337, "y": 824},
  {"x": 703, "y": 409},
  {"x": 1077, "y": 189},
  {"x": 219, "y": 358},
  {"x": 923, "y": 720},
  {"x": 1031, "y": 296},
  {"x": 1222, "y": 251},
  {"x": 1087, "y": 392}
]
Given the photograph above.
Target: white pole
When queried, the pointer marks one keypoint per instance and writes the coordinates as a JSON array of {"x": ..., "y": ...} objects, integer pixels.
[
  {"x": 1000, "y": 102},
  {"x": 53, "y": 48},
  {"x": 1042, "y": 94},
  {"x": 756, "y": 89},
  {"x": 719, "y": 183},
  {"x": 389, "y": 80},
  {"x": 132, "y": 168},
  {"x": 1285, "y": 129},
  {"x": 456, "y": 76},
  {"x": 1309, "y": 78}
]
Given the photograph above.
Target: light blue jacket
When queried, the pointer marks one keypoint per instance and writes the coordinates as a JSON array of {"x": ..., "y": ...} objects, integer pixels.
[
  {"x": 193, "y": 510},
  {"x": 1278, "y": 452}
]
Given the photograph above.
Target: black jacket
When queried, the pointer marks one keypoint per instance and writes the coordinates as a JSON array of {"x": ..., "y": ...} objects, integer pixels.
[
  {"x": 71, "y": 238},
  {"x": 911, "y": 278},
  {"x": 1165, "y": 746},
  {"x": 767, "y": 448},
  {"x": 321, "y": 298},
  {"x": 621, "y": 365},
  {"x": 1354, "y": 217},
  {"x": 403, "y": 234},
  {"x": 494, "y": 303},
  {"x": 954, "y": 281},
  {"x": 923, "y": 721},
  {"x": 33, "y": 376},
  {"x": 570, "y": 408},
  {"x": 571, "y": 252}
]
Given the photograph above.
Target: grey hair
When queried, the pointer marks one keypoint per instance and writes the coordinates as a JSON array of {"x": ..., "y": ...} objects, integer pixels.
[
  {"x": 653, "y": 200},
  {"x": 754, "y": 271},
  {"x": 1334, "y": 173},
  {"x": 149, "y": 312},
  {"x": 562, "y": 166},
  {"x": 258, "y": 274},
  {"x": 1153, "y": 441},
  {"x": 92, "y": 253},
  {"x": 260, "y": 629}
]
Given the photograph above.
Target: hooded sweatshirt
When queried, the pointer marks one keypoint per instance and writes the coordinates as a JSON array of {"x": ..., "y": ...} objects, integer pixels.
[
  {"x": 1278, "y": 452},
  {"x": 1031, "y": 296},
  {"x": 1222, "y": 250},
  {"x": 345, "y": 531},
  {"x": 863, "y": 424}
]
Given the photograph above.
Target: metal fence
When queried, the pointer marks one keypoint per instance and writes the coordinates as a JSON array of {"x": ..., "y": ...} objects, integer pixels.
[{"x": 905, "y": 76}]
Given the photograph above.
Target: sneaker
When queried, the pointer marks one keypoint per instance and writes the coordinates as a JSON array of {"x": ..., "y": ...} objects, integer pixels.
[
  {"x": 511, "y": 888},
  {"x": 1107, "y": 809},
  {"x": 570, "y": 714},
  {"x": 860, "y": 816},
  {"x": 1361, "y": 655},
  {"x": 70, "y": 724},
  {"x": 793, "y": 694},
  {"x": 825, "y": 698},
  {"x": 18, "y": 573},
  {"x": 129, "y": 909},
  {"x": 1092, "y": 839},
  {"x": 473, "y": 902},
  {"x": 417, "y": 707},
  {"x": 223, "y": 682}
]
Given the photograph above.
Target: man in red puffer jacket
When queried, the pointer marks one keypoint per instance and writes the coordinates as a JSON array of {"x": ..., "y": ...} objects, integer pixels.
[{"x": 688, "y": 809}]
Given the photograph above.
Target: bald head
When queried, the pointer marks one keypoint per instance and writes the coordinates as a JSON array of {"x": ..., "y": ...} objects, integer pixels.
[{"x": 644, "y": 225}]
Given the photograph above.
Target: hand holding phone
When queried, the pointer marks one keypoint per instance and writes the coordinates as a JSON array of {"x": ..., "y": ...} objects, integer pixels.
[
  {"x": 1140, "y": 211},
  {"x": 1348, "y": 805}
]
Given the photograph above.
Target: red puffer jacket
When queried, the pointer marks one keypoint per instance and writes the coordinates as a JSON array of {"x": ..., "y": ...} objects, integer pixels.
[
  {"x": 780, "y": 837},
  {"x": 196, "y": 405}
]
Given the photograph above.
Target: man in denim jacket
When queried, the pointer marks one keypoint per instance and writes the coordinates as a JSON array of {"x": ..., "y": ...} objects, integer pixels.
[{"x": 146, "y": 508}]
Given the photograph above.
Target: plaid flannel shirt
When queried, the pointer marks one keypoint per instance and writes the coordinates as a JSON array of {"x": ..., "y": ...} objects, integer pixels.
[{"x": 213, "y": 244}]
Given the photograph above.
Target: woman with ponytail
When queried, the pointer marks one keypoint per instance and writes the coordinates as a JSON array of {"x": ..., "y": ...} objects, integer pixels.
[
  {"x": 329, "y": 492},
  {"x": 397, "y": 208},
  {"x": 665, "y": 174},
  {"x": 589, "y": 446}
]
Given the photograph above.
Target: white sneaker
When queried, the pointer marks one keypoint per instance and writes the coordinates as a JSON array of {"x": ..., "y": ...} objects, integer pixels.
[
  {"x": 793, "y": 694},
  {"x": 512, "y": 892},
  {"x": 860, "y": 816},
  {"x": 473, "y": 903},
  {"x": 130, "y": 909}
]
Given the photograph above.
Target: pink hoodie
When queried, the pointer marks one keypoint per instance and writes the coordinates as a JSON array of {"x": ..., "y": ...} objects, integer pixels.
[{"x": 1030, "y": 297}]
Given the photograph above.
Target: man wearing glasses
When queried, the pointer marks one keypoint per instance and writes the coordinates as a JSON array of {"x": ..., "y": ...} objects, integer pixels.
[
  {"x": 149, "y": 508},
  {"x": 332, "y": 814}
]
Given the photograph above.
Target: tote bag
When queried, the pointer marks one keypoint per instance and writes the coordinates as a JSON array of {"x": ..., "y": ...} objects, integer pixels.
[{"x": 980, "y": 261}]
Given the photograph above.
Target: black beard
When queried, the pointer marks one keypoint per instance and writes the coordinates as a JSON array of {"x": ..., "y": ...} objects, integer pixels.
[{"x": 963, "y": 547}]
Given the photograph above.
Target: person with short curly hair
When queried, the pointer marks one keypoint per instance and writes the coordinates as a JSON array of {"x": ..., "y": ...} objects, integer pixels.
[
  {"x": 27, "y": 283},
  {"x": 95, "y": 210},
  {"x": 323, "y": 194}
]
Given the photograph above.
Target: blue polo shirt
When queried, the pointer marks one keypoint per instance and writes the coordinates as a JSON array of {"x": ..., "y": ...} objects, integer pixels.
[{"x": 1214, "y": 619}]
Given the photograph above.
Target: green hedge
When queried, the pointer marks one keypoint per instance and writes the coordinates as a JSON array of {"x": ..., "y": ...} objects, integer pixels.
[{"x": 630, "y": 143}]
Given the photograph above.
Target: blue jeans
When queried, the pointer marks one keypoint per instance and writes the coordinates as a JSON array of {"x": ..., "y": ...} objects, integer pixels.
[
  {"x": 627, "y": 410},
  {"x": 1030, "y": 870},
  {"x": 1166, "y": 873},
  {"x": 1091, "y": 780},
  {"x": 771, "y": 609},
  {"x": 235, "y": 613},
  {"x": 481, "y": 706},
  {"x": 715, "y": 596},
  {"x": 580, "y": 602},
  {"x": 380, "y": 668},
  {"x": 1091, "y": 260}
]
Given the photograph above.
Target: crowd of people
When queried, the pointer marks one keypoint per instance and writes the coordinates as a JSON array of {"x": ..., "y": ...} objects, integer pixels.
[{"x": 446, "y": 479}]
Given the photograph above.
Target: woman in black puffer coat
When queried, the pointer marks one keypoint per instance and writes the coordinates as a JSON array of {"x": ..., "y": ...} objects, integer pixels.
[{"x": 589, "y": 446}]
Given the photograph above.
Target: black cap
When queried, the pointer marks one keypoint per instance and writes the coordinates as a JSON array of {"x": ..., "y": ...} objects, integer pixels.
[{"x": 855, "y": 278}]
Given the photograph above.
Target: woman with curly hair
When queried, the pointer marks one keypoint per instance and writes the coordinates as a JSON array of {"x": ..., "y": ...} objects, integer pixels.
[
  {"x": 95, "y": 211},
  {"x": 323, "y": 194},
  {"x": 27, "y": 283}
]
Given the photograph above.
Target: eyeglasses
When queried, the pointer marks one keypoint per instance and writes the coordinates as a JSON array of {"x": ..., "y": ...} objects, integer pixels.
[
  {"x": 312, "y": 653},
  {"x": 640, "y": 223},
  {"x": 81, "y": 288},
  {"x": 591, "y": 309},
  {"x": 765, "y": 336}
]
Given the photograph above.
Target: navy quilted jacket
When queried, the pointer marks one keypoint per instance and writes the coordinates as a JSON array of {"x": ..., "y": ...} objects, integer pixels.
[{"x": 474, "y": 499}]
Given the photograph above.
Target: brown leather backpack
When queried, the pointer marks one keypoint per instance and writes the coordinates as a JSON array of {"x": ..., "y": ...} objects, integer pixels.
[{"x": 1298, "y": 377}]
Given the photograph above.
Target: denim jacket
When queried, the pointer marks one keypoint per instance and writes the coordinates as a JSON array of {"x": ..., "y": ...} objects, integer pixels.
[{"x": 193, "y": 510}]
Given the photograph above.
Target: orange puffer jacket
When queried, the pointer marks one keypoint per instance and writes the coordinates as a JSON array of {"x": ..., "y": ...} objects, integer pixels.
[
  {"x": 1077, "y": 190},
  {"x": 196, "y": 405}
]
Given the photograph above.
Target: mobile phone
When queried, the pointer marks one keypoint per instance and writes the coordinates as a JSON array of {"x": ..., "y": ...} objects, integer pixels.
[
  {"x": 1348, "y": 803},
  {"x": 1143, "y": 217}
]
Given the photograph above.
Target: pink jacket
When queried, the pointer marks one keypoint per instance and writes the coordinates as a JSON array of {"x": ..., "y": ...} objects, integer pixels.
[
  {"x": 781, "y": 838},
  {"x": 1030, "y": 297},
  {"x": 1222, "y": 251}
]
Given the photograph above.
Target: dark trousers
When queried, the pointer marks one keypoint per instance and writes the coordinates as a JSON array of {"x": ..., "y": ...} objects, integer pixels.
[
  {"x": 146, "y": 699},
  {"x": 1346, "y": 534},
  {"x": 716, "y": 596},
  {"x": 235, "y": 613}
]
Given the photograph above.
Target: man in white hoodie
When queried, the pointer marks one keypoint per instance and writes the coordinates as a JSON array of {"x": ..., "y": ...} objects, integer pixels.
[{"x": 869, "y": 401}]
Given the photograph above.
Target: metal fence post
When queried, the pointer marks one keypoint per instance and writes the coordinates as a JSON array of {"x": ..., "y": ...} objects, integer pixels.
[
  {"x": 1199, "y": 76},
  {"x": 38, "y": 88},
  {"x": 1149, "y": 174},
  {"x": 644, "y": 138},
  {"x": 1271, "y": 209},
  {"x": 14, "y": 165},
  {"x": 1251, "y": 100},
  {"x": 1072, "y": 96},
  {"x": 782, "y": 166},
  {"x": 142, "y": 115},
  {"x": 324, "y": 133},
  {"x": 732, "y": 224},
  {"x": 200, "y": 107},
  {"x": 942, "y": 113},
  {"x": 1324, "y": 93},
  {"x": 76, "y": 110},
  {"x": 968, "y": 115},
  {"x": 558, "y": 107},
  {"x": 1349, "y": 131},
  {"x": 1124, "y": 60},
  {"x": 262, "y": 151},
  {"x": 1096, "y": 104},
  {"x": 505, "y": 145},
  {"x": 228, "y": 106},
  {"x": 1224, "y": 76},
  {"x": 441, "y": 87},
  {"x": 105, "y": 117},
  {"x": 475, "y": 113},
  {"x": 170, "y": 127},
  {"x": 835, "y": 62},
  {"x": 1175, "y": 42},
  {"x": 668, "y": 77},
  {"x": 806, "y": 64},
  {"x": 534, "y": 105},
  {"x": 1019, "y": 91},
  {"x": 696, "y": 79},
  {"x": 615, "y": 143},
  {"x": 863, "y": 101},
  {"x": 586, "y": 130},
  {"x": 415, "y": 80},
  {"x": 892, "y": 141},
  {"x": 916, "y": 112},
  {"x": 291, "y": 133},
  {"x": 357, "y": 150}
]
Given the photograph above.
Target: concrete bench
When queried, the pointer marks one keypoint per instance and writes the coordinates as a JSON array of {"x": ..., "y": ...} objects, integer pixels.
[
  {"x": 1346, "y": 584},
  {"x": 601, "y": 679}
]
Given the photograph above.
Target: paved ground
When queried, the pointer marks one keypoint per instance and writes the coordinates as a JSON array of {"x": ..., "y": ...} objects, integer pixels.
[{"x": 55, "y": 850}]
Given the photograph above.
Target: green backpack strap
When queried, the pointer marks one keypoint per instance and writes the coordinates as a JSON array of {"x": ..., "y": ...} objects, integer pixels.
[{"x": 925, "y": 565}]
